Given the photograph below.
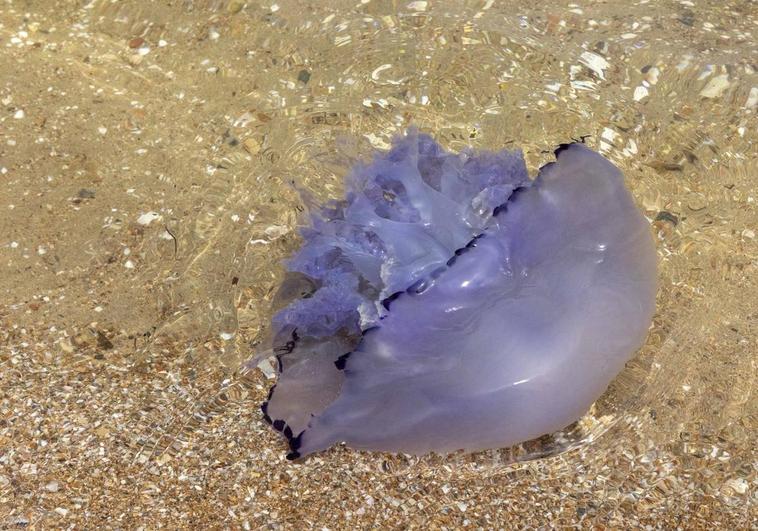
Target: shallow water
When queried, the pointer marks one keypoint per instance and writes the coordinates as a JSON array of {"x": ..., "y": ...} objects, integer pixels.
[{"x": 147, "y": 152}]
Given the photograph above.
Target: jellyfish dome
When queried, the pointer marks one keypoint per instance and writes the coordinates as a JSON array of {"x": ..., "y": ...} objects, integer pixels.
[{"x": 448, "y": 302}]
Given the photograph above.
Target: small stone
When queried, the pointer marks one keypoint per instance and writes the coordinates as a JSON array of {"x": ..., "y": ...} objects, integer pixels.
[
  {"x": 651, "y": 75},
  {"x": 607, "y": 139},
  {"x": 28, "y": 469},
  {"x": 595, "y": 63},
  {"x": 19, "y": 114},
  {"x": 276, "y": 231},
  {"x": 752, "y": 98},
  {"x": 268, "y": 367},
  {"x": 84, "y": 193},
  {"x": 696, "y": 202},
  {"x": 687, "y": 18},
  {"x": 136, "y": 42},
  {"x": 230, "y": 139},
  {"x": 738, "y": 485},
  {"x": 61, "y": 511},
  {"x": 640, "y": 93},
  {"x": 103, "y": 342},
  {"x": 52, "y": 486},
  {"x": 235, "y": 6},
  {"x": 716, "y": 86},
  {"x": 148, "y": 217},
  {"x": 304, "y": 76},
  {"x": 667, "y": 217},
  {"x": 66, "y": 346},
  {"x": 251, "y": 145}
]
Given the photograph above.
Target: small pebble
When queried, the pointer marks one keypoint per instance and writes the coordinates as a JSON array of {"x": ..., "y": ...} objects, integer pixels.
[
  {"x": 235, "y": 6},
  {"x": 640, "y": 93},
  {"x": 738, "y": 485},
  {"x": 148, "y": 217},
  {"x": 651, "y": 75},
  {"x": 594, "y": 62},
  {"x": 276, "y": 231},
  {"x": 752, "y": 98},
  {"x": 716, "y": 87},
  {"x": 304, "y": 76},
  {"x": 251, "y": 145},
  {"x": 667, "y": 217}
]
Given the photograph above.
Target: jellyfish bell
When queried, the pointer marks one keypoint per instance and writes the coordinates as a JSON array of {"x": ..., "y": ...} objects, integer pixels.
[{"x": 462, "y": 327}]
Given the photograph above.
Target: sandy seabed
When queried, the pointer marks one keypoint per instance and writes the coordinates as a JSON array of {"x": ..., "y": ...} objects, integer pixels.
[{"x": 146, "y": 151}]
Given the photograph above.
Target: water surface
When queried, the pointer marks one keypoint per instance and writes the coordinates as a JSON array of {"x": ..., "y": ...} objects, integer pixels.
[{"x": 147, "y": 151}]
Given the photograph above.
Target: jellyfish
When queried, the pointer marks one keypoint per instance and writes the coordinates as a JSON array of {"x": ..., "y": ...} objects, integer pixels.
[{"x": 448, "y": 302}]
